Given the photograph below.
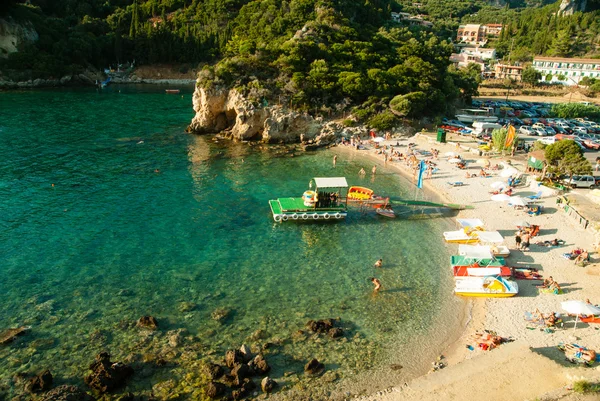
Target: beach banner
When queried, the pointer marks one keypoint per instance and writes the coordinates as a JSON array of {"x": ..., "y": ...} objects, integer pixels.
[
  {"x": 422, "y": 169},
  {"x": 510, "y": 137}
]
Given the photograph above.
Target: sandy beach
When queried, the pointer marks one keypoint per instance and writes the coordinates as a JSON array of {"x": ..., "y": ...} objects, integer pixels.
[{"x": 469, "y": 371}]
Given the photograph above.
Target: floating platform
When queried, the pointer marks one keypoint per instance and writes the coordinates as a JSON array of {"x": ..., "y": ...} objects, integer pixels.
[{"x": 285, "y": 209}]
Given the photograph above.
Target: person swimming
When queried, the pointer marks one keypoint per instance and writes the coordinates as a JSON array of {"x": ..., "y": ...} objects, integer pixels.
[
  {"x": 379, "y": 263},
  {"x": 377, "y": 284}
]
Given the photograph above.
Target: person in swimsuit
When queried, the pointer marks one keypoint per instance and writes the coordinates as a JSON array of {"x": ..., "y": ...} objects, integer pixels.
[
  {"x": 379, "y": 263},
  {"x": 377, "y": 284}
]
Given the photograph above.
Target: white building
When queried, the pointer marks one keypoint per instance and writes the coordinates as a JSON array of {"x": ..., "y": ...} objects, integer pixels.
[
  {"x": 463, "y": 60},
  {"x": 572, "y": 69},
  {"x": 479, "y": 52}
]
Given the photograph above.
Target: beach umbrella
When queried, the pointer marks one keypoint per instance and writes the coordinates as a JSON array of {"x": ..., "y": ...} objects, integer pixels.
[
  {"x": 579, "y": 308},
  {"x": 455, "y": 160},
  {"x": 508, "y": 172},
  {"x": 517, "y": 201},
  {"x": 379, "y": 139},
  {"x": 500, "y": 198},
  {"x": 498, "y": 185},
  {"x": 450, "y": 154},
  {"x": 483, "y": 162},
  {"x": 522, "y": 223}
]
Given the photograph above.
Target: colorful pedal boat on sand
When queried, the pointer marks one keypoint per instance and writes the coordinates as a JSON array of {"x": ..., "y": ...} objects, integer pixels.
[
  {"x": 478, "y": 260},
  {"x": 359, "y": 193},
  {"x": 461, "y": 237},
  {"x": 489, "y": 287}
]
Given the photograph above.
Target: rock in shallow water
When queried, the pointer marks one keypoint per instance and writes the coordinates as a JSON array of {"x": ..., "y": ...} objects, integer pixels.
[
  {"x": 314, "y": 368},
  {"x": 267, "y": 384},
  {"x": 39, "y": 383},
  {"x": 9, "y": 335},
  {"x": 67, "y": 393},
  {"x": 215, "y": 389},
  {"x": 147, "y": 322},
  {"x": 106, "y": 375}
]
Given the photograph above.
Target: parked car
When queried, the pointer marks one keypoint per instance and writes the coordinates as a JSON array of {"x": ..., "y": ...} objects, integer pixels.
[
  {"x": 591, "y": 144},
  {"x": 580, "y": 130},
  {"x": 539, "y": 132},
  {"x": 549, "y": 140},
  {"x": 538, "y": 125},
  {"x": 581, "y": 181},
  {"x": 526, "y": 130}
]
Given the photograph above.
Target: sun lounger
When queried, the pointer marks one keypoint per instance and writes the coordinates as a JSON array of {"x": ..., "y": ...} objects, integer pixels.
[
  {"x": 456, "y": 184},
  {"x": 536, "y": 196}
]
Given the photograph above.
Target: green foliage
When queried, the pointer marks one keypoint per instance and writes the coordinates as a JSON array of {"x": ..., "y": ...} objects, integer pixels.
[
  {"x": 499, "y": 139},
  {"x": 549, "y": 77},
  {"x": 585, "y": 387},
  {"x": 575, "y": 110},
  {"x": 574, "y": 164},
  {"x": 383, "y": 121},
  {"x": 531, "y": 76},
  {"x": 560, "y": 150},
  {"x": 539, "y": 145},
  {"x": 409, "y": 105}
]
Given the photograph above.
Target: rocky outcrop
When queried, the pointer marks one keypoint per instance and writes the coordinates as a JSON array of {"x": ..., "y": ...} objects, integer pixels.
[
  {"x": 230, "y": 113},
  {"x": 13, "y": 34},
  {"x": 568, "y": 7},
  {"x": 39, "y": 383},
  {"x": 8, "y": 336}
]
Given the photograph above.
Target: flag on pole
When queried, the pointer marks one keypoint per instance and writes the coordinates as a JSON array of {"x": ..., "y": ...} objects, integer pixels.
[
  {"x": 510, "y": 137},
  {"x": 422, "y": 168}
]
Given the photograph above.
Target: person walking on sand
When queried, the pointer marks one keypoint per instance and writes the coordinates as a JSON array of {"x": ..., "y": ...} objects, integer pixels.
[
  {"x": 377, "y": 284},
  {"x": 518, "y": 240},
  {"x": 379, "y": 263},
  {"x": 525, "y": 241},
  {"x": 334, "y": 160},
  {"x": 362, "y": 172},
  {"x": 374, "y": 170}
]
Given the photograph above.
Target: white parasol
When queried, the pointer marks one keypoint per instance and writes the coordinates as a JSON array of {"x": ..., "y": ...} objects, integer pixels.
[
  {"x": 379, "y": 139},
  {"x": 498, "y": 185},
  {"x": 517, "y": 201},
  {"x": 483, "y": 162},
  {"x": 508, "y": 172},
  {"x": 455, "y": 160},
  {"x": 579, "y": 308},
  {"x": 500, "y": 198},
  {"x": 451, "y": 154}
]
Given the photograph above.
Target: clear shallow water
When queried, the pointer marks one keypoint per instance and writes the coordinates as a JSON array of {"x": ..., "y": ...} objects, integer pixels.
[{"x": 114, "y": 240}]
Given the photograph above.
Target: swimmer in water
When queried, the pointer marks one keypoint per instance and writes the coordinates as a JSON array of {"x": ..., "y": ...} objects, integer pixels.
[
  {"x": 377, "y": 284},
  {"x": 379, "y": 263}
]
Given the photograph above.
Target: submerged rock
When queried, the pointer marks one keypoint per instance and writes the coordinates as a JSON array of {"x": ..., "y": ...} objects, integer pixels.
[
  {"x": 220, "y": 314},
  {"x": 246, "y": 353},
  {"x": 233, "y": 357},
  {"x": 106, "y": 375},
  {"x": 215, "y": 389},
  {"x": 320, "y": 326},
  {"x": 241, "y": 372},
  {"x": 39, "y": 383},
  {"x": 215, "y": 371},
  {"x": 9, "y": 335},
  {"x": 67, "y": 393},
  {"x": 335, "y": 332},
  {"x": 314, "y": 368},
  {"x": 147, "y": 322},
  {"x": 259, "y": 365},
  {"x": 267, "y": 384}
]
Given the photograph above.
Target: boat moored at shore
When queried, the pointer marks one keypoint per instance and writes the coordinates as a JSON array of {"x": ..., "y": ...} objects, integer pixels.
[{"x": 489, "y": 287}]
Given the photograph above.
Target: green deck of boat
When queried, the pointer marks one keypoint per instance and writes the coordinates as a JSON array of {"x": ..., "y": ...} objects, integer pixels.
[
  {"x": 457, "y": 260},
  {"x": 292, "y": 205},
  {"x": 404, "y": 202}
]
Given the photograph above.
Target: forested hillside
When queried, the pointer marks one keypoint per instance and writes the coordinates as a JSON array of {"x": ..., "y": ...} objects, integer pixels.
[{"x": 305, "y": 52}]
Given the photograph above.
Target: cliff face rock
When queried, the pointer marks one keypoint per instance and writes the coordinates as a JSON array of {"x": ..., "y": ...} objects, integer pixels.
[
  {"x": 568, "y": 7},
  {"x": 13, "y": 34},
  {"x": 227, "y": 111}
]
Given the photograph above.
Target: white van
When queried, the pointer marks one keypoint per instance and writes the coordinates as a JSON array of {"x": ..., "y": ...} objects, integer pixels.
[{"x": 481, "y": 128}]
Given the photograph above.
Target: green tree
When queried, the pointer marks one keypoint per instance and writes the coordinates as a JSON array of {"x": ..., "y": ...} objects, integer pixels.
[
  {"x": 409, "y": 105},
  {"x": 575, "y": 110},
  {"x": 531, "y": 76},
  {"x": 574, "y": 164},
  {"x": 499, "y": 139},
  {"x": 560, "y": 150},
  {"x": 549, "y": 77},
  {"x": 561, "y": 45}
]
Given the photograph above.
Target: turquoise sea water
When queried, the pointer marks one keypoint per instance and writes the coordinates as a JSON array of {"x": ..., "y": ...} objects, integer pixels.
[{"x": 92, "y": 238}]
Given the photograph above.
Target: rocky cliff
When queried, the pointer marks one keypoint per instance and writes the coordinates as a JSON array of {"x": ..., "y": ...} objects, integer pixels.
[
  {"x": 12, "y": 35},
  {"x": 228, "y": 112},
  {"x": 568, "y": 7}
]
